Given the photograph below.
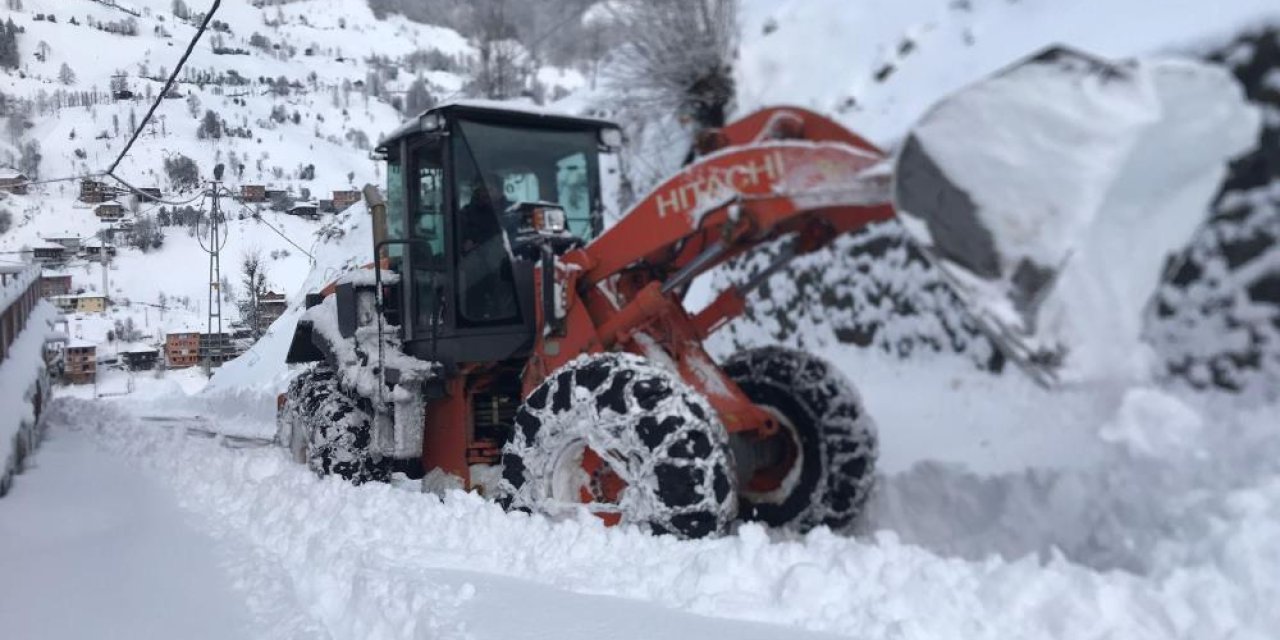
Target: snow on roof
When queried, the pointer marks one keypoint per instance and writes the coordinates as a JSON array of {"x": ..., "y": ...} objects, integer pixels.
[
  {"x": 47, "y": 245},
  {"x": 189, "y": 324},
  {"x": 9, "y": 173},
  {"x": 528, "y": 108},
  {"x": 96, "y": 242},
  {"x": 56, "y": 238},
  {"x": 136, "y": 347},
  {"x": 304, "y": 205},
  {"x": 77, "y": 343}
]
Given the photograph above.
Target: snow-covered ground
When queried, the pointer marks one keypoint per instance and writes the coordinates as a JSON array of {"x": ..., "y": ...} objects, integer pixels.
[
  {"x": 92, "y": 546},
  {"x": 1004, "y": 511}
]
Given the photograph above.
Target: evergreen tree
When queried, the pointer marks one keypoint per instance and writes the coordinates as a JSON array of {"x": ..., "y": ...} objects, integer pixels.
[{"x": 9, "y": 45}]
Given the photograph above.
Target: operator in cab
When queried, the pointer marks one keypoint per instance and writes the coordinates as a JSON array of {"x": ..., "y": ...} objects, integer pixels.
[{"x": 487, "y": 291}]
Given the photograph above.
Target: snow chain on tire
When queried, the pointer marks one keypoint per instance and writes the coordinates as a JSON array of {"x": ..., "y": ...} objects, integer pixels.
[
  {"x": 335, "y": 428},
  {"x": 837, "y": 439},
  {"x": 657, "y": 434}
]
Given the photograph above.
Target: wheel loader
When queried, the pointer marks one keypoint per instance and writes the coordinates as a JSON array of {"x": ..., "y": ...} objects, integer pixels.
[{"x": 503, "y": 340}]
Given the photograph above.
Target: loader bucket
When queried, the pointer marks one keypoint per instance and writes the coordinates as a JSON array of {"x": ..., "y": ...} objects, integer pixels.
[{"x": 1051, "y": 194}]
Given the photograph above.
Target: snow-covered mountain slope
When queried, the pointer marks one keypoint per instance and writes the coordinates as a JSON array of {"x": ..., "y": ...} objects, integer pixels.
[
  {"x": 287, "y": 95},
  {"x": 319, "y": 47}
]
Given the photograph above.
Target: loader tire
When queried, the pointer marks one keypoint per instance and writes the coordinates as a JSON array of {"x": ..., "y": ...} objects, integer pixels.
[
  {"x": 832, "y": 447},
  {"x": 661, "y": 457},
  {"x": 331, "y": 428}
]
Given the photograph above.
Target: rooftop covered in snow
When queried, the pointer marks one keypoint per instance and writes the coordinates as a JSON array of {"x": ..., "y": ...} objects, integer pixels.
[{"x": 493, "y": 111}]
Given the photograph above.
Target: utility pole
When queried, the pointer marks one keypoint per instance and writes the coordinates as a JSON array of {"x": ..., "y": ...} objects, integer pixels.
[
  {"x": 106, "y": 267},
  {"x": 213, "y": 348}
]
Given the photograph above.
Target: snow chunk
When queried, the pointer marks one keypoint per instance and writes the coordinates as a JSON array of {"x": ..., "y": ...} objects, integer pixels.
[
  {"x": 1055, "y": 191},
  {"x": 1153, "y": 423}
]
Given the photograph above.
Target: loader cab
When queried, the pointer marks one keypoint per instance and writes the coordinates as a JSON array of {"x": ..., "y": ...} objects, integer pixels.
[{"x": 469, "y": 185}]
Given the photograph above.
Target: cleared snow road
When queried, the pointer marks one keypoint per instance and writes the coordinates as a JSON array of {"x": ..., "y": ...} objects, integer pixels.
[
  {"x": 93, "y": 544},
  {"x": 90, "y": 547}
]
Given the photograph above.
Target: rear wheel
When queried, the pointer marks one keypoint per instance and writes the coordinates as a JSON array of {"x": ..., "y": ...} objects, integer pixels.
[
  {"x": 330, "y": 428},
  {"x": 819, "y": 468},
  {"x": 628, "y": 440}
]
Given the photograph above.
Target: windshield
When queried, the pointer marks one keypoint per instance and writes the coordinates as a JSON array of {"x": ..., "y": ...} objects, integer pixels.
[{"x": 512, "y": 164}]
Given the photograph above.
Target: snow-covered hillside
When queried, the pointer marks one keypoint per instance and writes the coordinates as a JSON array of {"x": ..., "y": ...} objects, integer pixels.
[{"x": 291, "y": 96}]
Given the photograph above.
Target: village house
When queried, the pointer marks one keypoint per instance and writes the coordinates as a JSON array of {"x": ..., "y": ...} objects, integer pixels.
[
  {"x": 81, "y": 303},
  {"x": 65, "y": 303},
  {"x": 151, "y": 192},
  {"x": 48, "y": 253},
  {"x": 95, "y": 191},
  {"x": 139, "y": 357},
  {"x": 54, "y": 284},
  {"x": 182, "y": 349},
  {"x": 123, "y": 228},
  {"x": 70, "y": 243},
  {"x": 109, "y": 211},
  {"x": 253, "y": 193},
  {"x": 344, "y": 198},
  {"x": 270, "y": 307},
  {"x": 13, "y": 181},
  {"x": 216, "y": 348},
  {"x": 81, "y": 362},
  {"x": 94, "y": 249}
]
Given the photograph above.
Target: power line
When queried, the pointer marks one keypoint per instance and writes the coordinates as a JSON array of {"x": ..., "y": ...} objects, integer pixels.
[
  {"x": 165, "y": 91},
  {"x": 145, "y": 119},
  {"x": 142, "y": 194},
  {"x": 258, "y": 216}
]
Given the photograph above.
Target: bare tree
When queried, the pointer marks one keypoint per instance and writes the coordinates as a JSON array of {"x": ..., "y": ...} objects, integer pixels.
[
  {"x": 418, "y": 98},
  {"x": 253, "y": 278},
  {"x": 675, "y": 56},
  {"x": 502, "y": 68}
]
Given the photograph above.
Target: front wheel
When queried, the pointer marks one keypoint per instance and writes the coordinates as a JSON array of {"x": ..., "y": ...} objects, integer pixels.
[
  {"x": 328, "y": 428},
  {"x": 628, "y": 440},
  {"x": 819, "y": 468}
]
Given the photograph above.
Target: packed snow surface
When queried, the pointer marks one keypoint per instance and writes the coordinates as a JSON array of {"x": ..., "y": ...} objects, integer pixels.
[{"x": 93, "y": 547}]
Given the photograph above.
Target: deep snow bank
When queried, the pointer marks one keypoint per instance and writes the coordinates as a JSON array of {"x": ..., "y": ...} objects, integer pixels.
[
  {"x": 1053, "y": 193},
  {"x": 1198, "y": 530},
  {"x": 22, "y": 375}
]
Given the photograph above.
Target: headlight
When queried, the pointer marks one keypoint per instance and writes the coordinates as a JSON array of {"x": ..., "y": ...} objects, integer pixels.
[
  {"x": 611, "y": 137},
  {"x": 549, "y": 220}
]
